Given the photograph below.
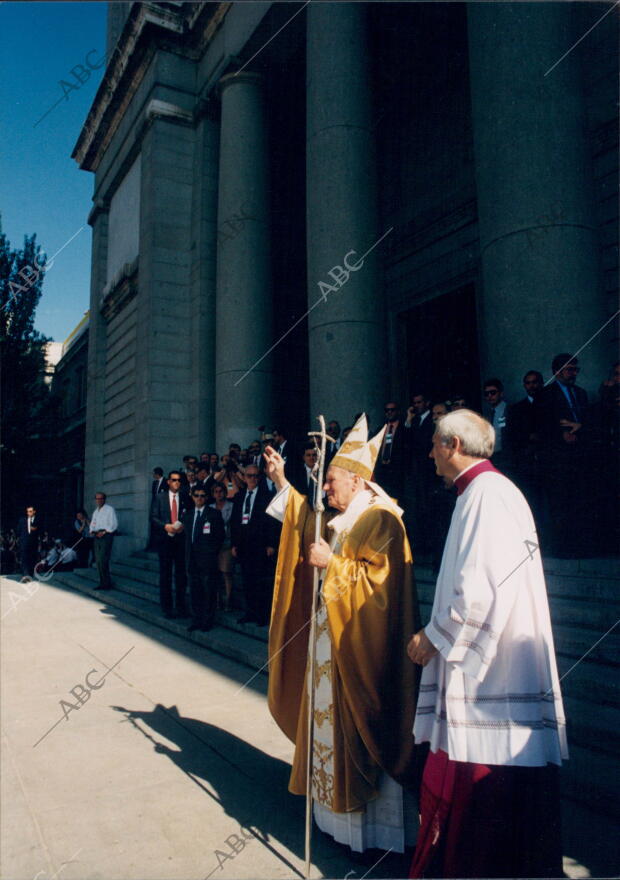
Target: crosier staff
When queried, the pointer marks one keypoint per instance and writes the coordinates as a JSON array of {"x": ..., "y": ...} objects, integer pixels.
[{"x": 319, "y": 507}]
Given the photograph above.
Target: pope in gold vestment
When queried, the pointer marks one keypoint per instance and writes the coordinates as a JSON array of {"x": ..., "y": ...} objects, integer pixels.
[{"x": 368, "y": 608}]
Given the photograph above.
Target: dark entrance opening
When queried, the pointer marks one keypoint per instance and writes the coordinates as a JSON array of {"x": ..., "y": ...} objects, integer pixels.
[{"x": 442, "y": 347}]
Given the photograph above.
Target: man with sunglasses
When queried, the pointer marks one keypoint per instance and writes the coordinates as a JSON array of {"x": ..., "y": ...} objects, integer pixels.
[
  {"x": 167, "y": 511},
  {"x": 391, "y": 463},
  {"x": 203, "y": 528},
  {"x": 494, "y": 410}
]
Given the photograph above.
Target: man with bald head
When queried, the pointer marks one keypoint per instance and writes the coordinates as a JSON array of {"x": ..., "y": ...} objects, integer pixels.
[{"x": 490, "y": 703}]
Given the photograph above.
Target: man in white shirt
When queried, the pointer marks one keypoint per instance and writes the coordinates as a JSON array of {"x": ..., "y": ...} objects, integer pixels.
[
  {"x": 490, "y": 702},
  {"x": 103, "y": 525}
]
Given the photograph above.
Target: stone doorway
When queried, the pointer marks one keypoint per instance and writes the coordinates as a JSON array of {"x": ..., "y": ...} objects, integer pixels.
[{"x": 442, "y": 346}]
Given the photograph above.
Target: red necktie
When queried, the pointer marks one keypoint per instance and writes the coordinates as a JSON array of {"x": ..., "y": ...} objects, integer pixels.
[{"x": 174, "y": 513}]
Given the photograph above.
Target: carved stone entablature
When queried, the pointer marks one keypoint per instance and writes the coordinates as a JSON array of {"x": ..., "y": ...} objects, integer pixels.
[
  {"x": 120, "y": 290},
  {"x": 164, "y": 110},
  {"x": 422, "y": 231},
  {"x": 100, "y": 206},
  {"x": 149, "y": 27}
]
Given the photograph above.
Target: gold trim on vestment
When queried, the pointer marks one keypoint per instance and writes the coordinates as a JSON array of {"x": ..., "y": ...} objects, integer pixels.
[
  {"x": 322, "y": 781},
  {"x": 354, "y": 467}
]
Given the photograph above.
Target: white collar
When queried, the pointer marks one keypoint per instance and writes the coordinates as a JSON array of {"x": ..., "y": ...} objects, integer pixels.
[{"x": 345, "y": 520}]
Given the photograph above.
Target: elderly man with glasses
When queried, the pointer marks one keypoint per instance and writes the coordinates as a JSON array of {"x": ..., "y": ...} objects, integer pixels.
[{"x": 167, "y": 511}]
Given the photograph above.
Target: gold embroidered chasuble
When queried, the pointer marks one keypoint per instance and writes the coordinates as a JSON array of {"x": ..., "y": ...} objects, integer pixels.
[{"x": 369, "y": 609}]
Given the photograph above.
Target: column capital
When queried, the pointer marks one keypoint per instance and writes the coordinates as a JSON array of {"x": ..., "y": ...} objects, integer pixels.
[{"x": 249, "y": 77}]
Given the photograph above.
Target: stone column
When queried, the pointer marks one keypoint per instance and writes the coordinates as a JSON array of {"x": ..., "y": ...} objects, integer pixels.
[
  {"x": 203, "y": 275},
  {"x": 346, "y": 331},
  {"x": 541, "y": 291},
  {"x": 97, "y": 334},
  {"x": 244, "y": 377}
]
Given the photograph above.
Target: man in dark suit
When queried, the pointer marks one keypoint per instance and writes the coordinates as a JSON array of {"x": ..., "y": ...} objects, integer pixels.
[
  {"x": 421, "y": 477},
  {"x": 289, "y": 452},
  {"x": 254, "y": 545},
  {"x": 562, "y": 422},
  {"x": 28, "y": 534},
  {"x": 332, "y": 446},
  {"x": 167, "y": 512},
  {"x": 392, "y": 462},
  {"x": 303, "y": 481},
  {"x": 522, "y": 443},
  {"x": 158, "y": 484},
  {"x": 204, "y": 536}
]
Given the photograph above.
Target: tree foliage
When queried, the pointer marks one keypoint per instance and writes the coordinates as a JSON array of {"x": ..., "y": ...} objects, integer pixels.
[{"x": 25, "y": 402}]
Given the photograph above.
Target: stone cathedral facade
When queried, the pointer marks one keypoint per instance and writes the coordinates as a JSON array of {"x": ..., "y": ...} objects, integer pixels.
[{"x": 309, "y": 208}]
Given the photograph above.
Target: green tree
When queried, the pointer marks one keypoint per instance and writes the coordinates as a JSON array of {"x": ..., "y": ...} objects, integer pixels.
[{"x": 26, "y": 404}]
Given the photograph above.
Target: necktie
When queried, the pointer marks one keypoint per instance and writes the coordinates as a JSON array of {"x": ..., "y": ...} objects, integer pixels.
[
  {"x": 387, "y": 444},
  {"x": 574, "y": 404},
  {"x": 174, "y": 511},
  {"x": 248, "y": 498},
  {"x": 197, "y": 520}
]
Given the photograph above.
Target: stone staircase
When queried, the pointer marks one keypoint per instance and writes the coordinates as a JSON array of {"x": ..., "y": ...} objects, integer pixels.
[
  {"x": 584, "y": 597},
  {"x": 136, "y": 591}
]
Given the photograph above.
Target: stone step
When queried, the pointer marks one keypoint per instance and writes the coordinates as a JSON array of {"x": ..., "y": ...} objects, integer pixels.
[
  {"x": 588, "y": 682},
  {"x": 591, "y": 779},
  {"x": 144, "y": 554},
  {"x": 150, "y": 593},
  {"x": 603, "y": 567},
  {"x": 587, "y": 614},
  {"x": 148, "y": 564},
  {"x": 595, "y": 569},
  {"x": 597, "y": 730},
  {"x": 136, "y": 573},
  {"x": 248, "y": 648}
]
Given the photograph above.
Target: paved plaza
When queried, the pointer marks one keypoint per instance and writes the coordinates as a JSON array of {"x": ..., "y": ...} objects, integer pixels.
[{"x": 129, "y": 752}]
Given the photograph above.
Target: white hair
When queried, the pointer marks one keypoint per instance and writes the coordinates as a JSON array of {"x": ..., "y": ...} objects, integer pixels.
[{"x": 477, "y": 436}]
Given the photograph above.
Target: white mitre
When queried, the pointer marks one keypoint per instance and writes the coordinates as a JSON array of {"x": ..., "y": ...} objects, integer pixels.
[{"x": 358, "y": 455}]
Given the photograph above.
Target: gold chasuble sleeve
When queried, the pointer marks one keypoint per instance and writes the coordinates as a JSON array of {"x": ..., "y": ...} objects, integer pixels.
[
  {"x": 372, "y": 612},
  {"x": 289, "y": 631}
]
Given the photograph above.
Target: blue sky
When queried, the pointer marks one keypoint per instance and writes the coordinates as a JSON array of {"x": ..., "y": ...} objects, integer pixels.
[{"x": 42, "y": 189}]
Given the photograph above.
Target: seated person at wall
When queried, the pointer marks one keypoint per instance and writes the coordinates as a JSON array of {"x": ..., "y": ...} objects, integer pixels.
[{"x": 59, "y": 558}]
